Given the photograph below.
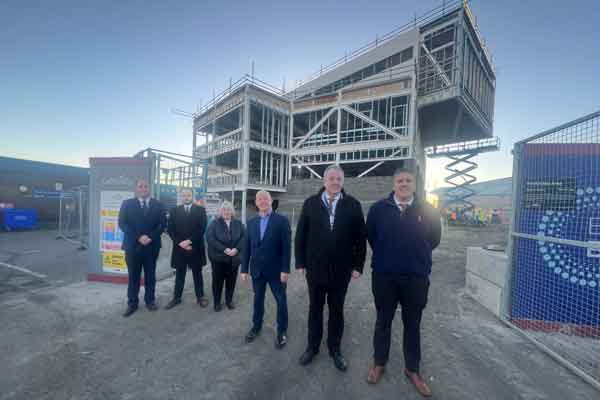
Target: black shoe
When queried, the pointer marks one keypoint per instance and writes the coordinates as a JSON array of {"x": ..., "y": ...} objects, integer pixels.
[
  {"x": 152, "y": 307},
  {"x": 307, "y": 357},
  {"x": 281, "y": 341},
  {"x": 339, "y": 361},
  {"x": 218, "y": 307},
  {"x": 230, "y": 305},
  {"x": 252, "y": 334},
  {"x": 172, "y": 304},
  {"x": 130, "y": 310},
  {"x": 203, "y": 302}
]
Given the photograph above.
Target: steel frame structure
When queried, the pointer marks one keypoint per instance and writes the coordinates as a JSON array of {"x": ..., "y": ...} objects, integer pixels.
[{"x": 257, "y": 133}]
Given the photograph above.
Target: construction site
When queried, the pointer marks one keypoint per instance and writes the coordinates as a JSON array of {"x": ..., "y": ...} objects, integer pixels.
[
  {"x": 514, "y": 307},
  {"x": 425, "y": 89}
]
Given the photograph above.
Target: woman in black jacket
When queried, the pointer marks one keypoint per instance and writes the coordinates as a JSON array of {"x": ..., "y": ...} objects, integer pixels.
[{"x": 225, "y": 238}]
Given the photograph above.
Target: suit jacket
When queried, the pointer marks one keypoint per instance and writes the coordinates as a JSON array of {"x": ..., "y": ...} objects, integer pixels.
[
  {"x": 270, "y": 256},
  {"x": 330, "y": 256},
  {"x": 134, "y": 224},
  {"x": 183, "y": 227},
  {"x": 219, "y": 237}
]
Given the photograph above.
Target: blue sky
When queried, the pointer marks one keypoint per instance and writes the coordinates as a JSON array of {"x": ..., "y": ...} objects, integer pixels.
[{"x": 82, "y": 78}]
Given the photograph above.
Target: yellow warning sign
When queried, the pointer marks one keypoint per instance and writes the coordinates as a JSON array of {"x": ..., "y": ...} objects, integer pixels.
[
  {"x": 114, "y": 261},
  {"x": 109, "y": 213}
]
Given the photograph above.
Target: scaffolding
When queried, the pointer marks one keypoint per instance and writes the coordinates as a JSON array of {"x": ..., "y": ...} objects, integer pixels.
[{"x": 460, "y": 169}]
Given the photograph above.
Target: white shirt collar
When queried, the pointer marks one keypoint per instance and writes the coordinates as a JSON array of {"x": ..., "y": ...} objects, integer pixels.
[
  {"x": 403, "y": 205},
  {"x": 337, "y": 196}
]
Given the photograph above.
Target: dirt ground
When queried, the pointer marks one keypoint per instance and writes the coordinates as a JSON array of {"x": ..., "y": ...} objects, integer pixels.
[{"x": 69, "y": 341}]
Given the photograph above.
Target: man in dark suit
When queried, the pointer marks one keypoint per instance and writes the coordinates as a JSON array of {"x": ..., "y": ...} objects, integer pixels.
[
  {"x": 331, "y": 247},
  {"x": 142, "y": 220},
  {"x": 266, "y": 254},
  {"x": 187, "y": 224}
]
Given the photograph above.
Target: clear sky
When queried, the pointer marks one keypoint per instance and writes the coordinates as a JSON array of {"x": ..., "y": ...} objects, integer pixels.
[{"x": 80, "y": 79}]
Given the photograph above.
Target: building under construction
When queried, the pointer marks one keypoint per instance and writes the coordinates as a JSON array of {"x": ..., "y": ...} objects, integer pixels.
[{"x": 428, "y": 84}]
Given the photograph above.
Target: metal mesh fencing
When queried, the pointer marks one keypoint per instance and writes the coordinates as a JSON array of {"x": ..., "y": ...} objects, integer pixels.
[
  {"x": 554, "y": 279},
  {"x": 73, "y": 217}
]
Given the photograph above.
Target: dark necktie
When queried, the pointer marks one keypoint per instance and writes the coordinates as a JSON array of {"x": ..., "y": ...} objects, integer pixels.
[
  {"x": 330, "y": 209},
  {"x": 402, "y": 207},
  {"x": 145, "y": 207}
]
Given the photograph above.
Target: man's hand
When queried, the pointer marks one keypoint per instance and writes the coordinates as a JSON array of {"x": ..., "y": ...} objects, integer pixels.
[
  {"x": 144, "y": 240},
  {"x": 244, "y": 276},
  {"x": 284, "y": 277},
  {"x": 301, "y": 270},
  {"x": 186, "y": 244},
  {"x": 233, "y": 252},
  {"x": 227, "y": 251},
  {"x": 356, "y": 274}
]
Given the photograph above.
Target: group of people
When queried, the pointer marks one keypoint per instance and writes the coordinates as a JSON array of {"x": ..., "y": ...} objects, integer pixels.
[{"x": 330, "y": 247}]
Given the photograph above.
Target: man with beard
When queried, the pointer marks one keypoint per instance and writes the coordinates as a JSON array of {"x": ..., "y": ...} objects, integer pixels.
[{"x": 187, "y": 224}]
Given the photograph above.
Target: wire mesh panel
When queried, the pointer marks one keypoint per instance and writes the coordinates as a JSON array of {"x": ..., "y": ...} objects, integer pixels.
[
  {"x": 556, "y": 242},
  {"x": 73, "y": 216}
]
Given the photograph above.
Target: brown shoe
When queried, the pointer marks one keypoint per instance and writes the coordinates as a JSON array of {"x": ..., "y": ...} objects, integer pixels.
[
  {"x": 375, "y": 373},
  {"x": 418, "y": 382}
]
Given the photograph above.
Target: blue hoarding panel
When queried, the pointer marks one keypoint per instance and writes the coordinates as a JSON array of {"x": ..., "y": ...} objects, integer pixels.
[{"x": 559, "y": 195}]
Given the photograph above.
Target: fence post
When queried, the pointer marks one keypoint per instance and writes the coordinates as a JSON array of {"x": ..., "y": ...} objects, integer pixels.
[
  {"x": 510, "y": 250},
  {"x": 82, "y": 245},
  {"x": 60, "y": 198}
]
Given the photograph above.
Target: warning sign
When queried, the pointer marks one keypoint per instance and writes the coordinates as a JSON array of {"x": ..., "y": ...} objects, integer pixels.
[{"x": 114, "y": 261}]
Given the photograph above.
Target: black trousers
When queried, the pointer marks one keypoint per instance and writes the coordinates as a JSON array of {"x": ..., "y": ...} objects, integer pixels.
[
  {"x": 223, "y": 274},
  {"x": 180, "y": 273},
  {"x": 138, "y": 260},
  {"x": 334, "y": 296},
  {"x": 410, "y": 292}
]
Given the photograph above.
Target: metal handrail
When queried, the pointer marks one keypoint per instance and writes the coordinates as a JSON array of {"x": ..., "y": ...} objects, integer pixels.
[
  {"x": 559, "y": 128},
  {"x": 441, "y": 10},
  {"x": 245, "y": 79}
]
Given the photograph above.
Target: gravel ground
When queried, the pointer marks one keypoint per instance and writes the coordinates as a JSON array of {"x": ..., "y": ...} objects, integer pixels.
[{"x": 70, "y": 342}]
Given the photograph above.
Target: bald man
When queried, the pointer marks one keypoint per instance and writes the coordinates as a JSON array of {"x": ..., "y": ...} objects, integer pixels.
[{"x": 266, "y": 257}]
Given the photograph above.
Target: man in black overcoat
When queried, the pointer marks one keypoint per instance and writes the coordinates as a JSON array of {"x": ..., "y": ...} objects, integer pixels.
[
  {"x": 330, "y": 247},
  {"x": 187, "y": 224}
]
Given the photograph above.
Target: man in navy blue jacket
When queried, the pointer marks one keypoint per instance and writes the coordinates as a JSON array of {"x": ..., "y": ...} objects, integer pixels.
[
  {"x": 266, "y": 255},
  {"x": 402, "y": 231},
  {"x": 142, "y": 220}
]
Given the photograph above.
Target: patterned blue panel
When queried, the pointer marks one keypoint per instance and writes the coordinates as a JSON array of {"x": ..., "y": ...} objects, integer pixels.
[{"x": 556, "y": 282}]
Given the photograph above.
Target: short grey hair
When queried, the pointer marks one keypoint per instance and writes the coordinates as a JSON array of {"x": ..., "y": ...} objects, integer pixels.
[
  {"x": 405, "y": 170},
  {"x": 226, "y": 205},
  {"x": 264, "y": 192},
  {"x": 333, "y": 167}
]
